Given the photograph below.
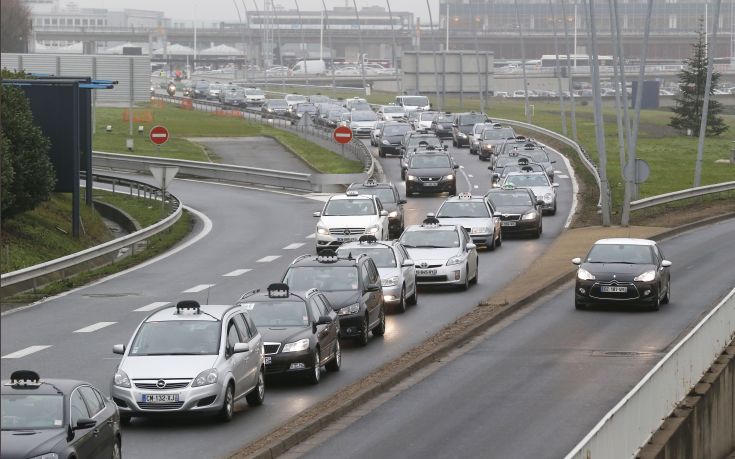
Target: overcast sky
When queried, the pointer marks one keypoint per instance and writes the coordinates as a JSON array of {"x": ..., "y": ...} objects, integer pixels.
[{"x": 224, "y": 10}]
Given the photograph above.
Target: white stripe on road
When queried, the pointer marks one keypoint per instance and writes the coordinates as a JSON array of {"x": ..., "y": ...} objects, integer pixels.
[
  {"x": 152, "y": 306},
  {"x": 557, "y": 172},
  {"x": 237, "y": 272},
  {"x": 293, "y": 246},
  {"x": 24, "y": 352},
  {"x": 470, "y": 175},
  {"x": 476, "y": 187},
  {"x": 269, "y": 258},
  {"x": 94, "y": 327},
  {"x": 198, "y": 288},
  {"x": 563, "y": 176},
  {"x": 311, "y": 236}
]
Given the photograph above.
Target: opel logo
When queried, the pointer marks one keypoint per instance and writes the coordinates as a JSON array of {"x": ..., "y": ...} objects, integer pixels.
[
  {"x": 424, "y": 264},
  {"x": 160, "y": 383}
]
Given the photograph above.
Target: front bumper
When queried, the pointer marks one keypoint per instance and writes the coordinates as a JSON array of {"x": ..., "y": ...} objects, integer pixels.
[
  {"x": 636, "y": 293},
  {"x": 328, "y": 241},
  {"x": 392, "y": 295},
  {"x": 352, "y": 325},
  {"x": 483, "y": 239},
  {"x": 514, "y": 225},
  {"x": 443, "y": 133},
  {"x": 204, "y": 399},
  {"x": 389, "y": 149},
  {"x": 289, "y": 363},
  {"x": 440, "y": 275},
  {"x": 362, "y": 131},
  {"x": 419, "y": 186},
  {"x": 461, "y": 141},
  {"x": 485, "y": 154}
]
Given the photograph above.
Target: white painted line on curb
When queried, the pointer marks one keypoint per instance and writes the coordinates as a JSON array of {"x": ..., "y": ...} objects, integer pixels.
[
  {"x": 268, "y": 259},
  {"x": 237, "y": 272},
  {"x": 152, "y": 306},
  {"x": 293, "y": 246},
  {"x": 24, "y": 352},
  {"x": 198, "y": 288},
  {"x": 94, "y": 327}
]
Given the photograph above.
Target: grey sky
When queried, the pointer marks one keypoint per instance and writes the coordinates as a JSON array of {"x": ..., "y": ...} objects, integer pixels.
[{"x": 224, "y": 10}]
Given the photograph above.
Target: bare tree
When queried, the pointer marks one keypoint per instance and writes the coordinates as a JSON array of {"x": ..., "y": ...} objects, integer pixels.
[{"x": 15, "y": 26}]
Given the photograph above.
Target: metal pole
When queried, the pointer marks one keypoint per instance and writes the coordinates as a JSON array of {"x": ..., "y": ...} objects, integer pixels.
[
  {"x": 481, "y": 77},
  {"x": 446, "y": 47},
  {"x": 359, "y": 35},
  {"x": 523, "y": 64},
  {"x": 558, "y": 71},
  {"x": 711, "y": 50},
  {"x": 305, "y": 56},
  {"x": 570, "y": 73},
  {"x": 280, "y": 51},
  {"x": 436, "y": 69},
  {"x": 618, "y": 108},
  {"x": 331, "y": 50},
  {"x": 393, "y": 50},
  {"x": 242, "y": 34}
]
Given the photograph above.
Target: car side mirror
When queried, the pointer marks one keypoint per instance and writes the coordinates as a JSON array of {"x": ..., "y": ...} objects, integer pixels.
[
  {"x": 555, "y": 185},
  {"x": 402, "y": 201},
  {"x": 408, "y": 263},
  {"x": 317, "y": 214},
  {"x": 471, "y": 246},
  {"x": 118, "y": 349},
  {"x": 577, "y": 261},
  {"x": 384, "y": 213},
  {"x": 540, "y": 202},
  {"x": 456, "y": 166},
  {"x": 240, "y": 348},
  {"x": 323, "y": 320},
  {"x": 666, "y": 263},
  {"x": 84, "y": 423}
]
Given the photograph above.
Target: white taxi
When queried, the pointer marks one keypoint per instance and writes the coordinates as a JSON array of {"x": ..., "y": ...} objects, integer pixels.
[{"x": 346, "y": 217}]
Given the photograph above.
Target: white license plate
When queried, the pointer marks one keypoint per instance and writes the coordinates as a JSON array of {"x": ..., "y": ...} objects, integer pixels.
[
  {"x": 267, "y": 360},
  {"x": 430, "y": 184},
  {"x": 160, "y": 398},
  {"x": 426, "y": 272},
  {"x": 346, "y": 239},
  {"x": 613, "y": 289},
  {"x": 507, "y": 223}
]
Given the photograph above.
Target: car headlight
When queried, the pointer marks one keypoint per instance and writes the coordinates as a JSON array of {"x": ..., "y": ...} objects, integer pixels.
[
  {"x": 351, "y": 309},
  {"x": 372, "y": 229},
  {"x": 548, "y": 198},
  {"x": 296, "y": 346},
  {"x": 390, "y": 282},
  {"x": 46, "y": 456},
  {"x": 205, "y": 378},
  {"x": 411, "y": 177},
  {"x": 322, "y": 230},
  {"x": 459, "y": 259},
  {"x": 385, "y": 142},
  {"x": 121, "y": 379},
  {"x": 583, "y": 274},
  {"x": 533, "y": 215},
  {"x": 462, "y": 135},
  {"x": 647, "y": 276},
  {"x": 393, "y": 214},
  {"x": 449, "y": 177},
  {"x": 480, "y": 230}
]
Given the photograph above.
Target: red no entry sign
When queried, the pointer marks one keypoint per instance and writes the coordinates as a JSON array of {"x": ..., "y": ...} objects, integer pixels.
[
  {"x": 159, "y": 135},
  {"x": 342, "y": 134}
]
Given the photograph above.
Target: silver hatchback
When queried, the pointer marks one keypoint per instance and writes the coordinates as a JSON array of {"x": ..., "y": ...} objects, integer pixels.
[{"x": 190, "y": 358}]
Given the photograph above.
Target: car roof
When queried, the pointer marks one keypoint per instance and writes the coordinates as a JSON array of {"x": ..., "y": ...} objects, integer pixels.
[
  {"x": 387, "y": 245},
  {"x": 625, "y": 240},
  {"x": 463, "y": 197},
  {"x": 371, "y": 185},
  {"x": 213, "y": 312}
]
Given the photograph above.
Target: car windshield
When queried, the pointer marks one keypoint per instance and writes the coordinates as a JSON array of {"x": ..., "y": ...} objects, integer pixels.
[
  {"x": 396, "y": 130},
  {"x": 277, "y": 103},
  {"x": 479, "y": 128},
  {"x": 620, "y": 253},
  {"x": 415, "y": 141},
  {"x": 32, "y": 411},
  {"x": 416, "y": 101},
  {"x": 521, "y": 181},
  {"x": 439, "y": 238},
  {"x": 382, "y": 256},
  {"x": 215, "y": 87},
  {"x": 537, "y": 156},
  {"x": 335, "y": 114},
  {"x": 505, "y": 160},
  {"x": 385, "y": 195},
  {"x": 301, "y": 108},
  {"x": 392, "y": 109},
  {"x": 177, "y": 337},
  {"x": 445, "y": 119},
  {"x": 295, "y": 98},
  {"x": 430, "y": 162},
  {"x": 510, "y": 198},
  {"x": 496, "y": 134},
  {"x": 364, "y": 116},
  {"x": 426, "y": 116},
  {"x": 459, "y": 209},
  {"x": 527, "y": 168},
  {"x": 254, "y": 92},
  {"x": 278, "y": 314},
  {"x": 325, "y": 278},
  {"x": 202, "y": 85},
  {"x": 466, "y": 120},
  {"x": 343, "y": 207}
]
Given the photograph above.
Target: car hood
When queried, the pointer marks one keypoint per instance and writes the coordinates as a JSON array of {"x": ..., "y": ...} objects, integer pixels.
[
  {"x": 394, "y": 139},
  {"x": 433, "y": 172},
  {"x": 619, "y": 271},
  {"x": 393, "y": 116},
  {"x": 512, "y": 209},
  {"x": 166, "y": 366},
  {"x": 540, "y": 191},
  {"x": 349, "y": 221},
  {"x": 20, "y": 444},
  {"x": 363, "y": 124},
  {"x": 467, "y": 222},
  {"x": 284, "y": 334},
  {"x": 342, "y": 298},
  {"x": 385, "y": 273},
  {"x": 466, "y": 128},
  {"x": 432, "y": 256}
]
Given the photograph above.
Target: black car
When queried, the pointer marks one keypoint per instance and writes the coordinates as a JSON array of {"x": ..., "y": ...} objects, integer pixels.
[
  {"x": 413, "y": 139},
  {"x": 53, "y": 418},
  {"x": 352, "y": 286},
  {"x": 462, "y": 127},
  {"x": 300, "y": 331},
  {"x": 623, "y": 271},
  {"x": 492, "y": 138},
  {"x": 274, "y": 107},
  {"x": 391, "y": 200},
  {"x": 201, "y": 90},
  {"x": 441, "y": 126},
  {"x": 391, "y": 136},
  {"x": 301, "y": 110},
  {"x": 432, "y": 172},
  {"x": 519, "y": 209}
]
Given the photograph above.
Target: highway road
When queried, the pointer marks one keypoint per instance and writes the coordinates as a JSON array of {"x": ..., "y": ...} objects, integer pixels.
[
  {"x": 540, "y": 380},
  {"x": 246, "y": 240}
]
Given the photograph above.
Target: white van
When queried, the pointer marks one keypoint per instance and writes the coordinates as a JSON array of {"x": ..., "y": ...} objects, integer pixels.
[
  {"x": 311, "y": 67},
  {"x": 413, "y": 102}
]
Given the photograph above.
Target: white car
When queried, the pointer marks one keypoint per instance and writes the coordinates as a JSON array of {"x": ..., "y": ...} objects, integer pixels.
[
  {"x": 443, "y": 255},
  {"x": 538, "y": 182},
  {"x": 391, "y": 113},
  {"x": 476, "y": 215},
  {"x": 346, "y": 217},
  {"x": 254, "y": 97},
  {"x": 293, "y": 99},
  {"x": 362, "y": 122},
  {"x": 423, "y": 121}
]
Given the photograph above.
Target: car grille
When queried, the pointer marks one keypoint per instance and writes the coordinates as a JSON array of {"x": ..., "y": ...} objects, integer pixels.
[
  {"x": 160, "y": 406},
  {"x": 630, "y": 294},
  {"x": 271, "y": 348},
  {"x": 346, "y": 231},
  {"x": 170, "y": 384},
  {"x": 510, "y": 217},
  {"x": 427, "y": 266},
  {"x": 429, "y": 179}
]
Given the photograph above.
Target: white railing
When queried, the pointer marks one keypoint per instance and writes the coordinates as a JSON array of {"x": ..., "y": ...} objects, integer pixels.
[
  {"x": 681, "y": 194},
  {"x": 629, "y": 425}
]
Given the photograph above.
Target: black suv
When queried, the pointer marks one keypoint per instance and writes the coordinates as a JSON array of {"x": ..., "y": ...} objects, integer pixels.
[
  {"x": 462, "y": 127},
  {"x": 352, "y": 286},
  {"x": 431, "y": 171},
  {"x": 414, "y": 139},
  {"x": 519, "y": 209},
  {"x": 391, "y": 200},
  {"x": 300, "y": 330}
]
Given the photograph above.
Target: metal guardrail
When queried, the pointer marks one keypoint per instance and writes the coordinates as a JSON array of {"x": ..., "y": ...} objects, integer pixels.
[
  {"x": 66, "y": 262},
  {"x": 681, "y": 194},
  {"x": 629, "y": 425}
]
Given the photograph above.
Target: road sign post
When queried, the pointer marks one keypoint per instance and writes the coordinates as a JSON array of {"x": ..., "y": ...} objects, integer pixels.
[{"x": 163, "y": 175}]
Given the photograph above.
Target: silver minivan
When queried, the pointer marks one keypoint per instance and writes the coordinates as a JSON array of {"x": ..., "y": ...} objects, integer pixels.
[{"x": 190, "y": 358}]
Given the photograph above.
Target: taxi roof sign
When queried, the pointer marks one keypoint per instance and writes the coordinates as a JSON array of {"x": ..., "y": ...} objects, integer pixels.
[
  {"x": 464, "y": 195},
  {"x": 278, "y": 290}
]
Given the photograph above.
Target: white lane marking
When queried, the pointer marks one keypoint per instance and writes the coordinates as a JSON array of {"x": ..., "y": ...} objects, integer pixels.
[
  {"x": 94, "y": 327},
  {"x": 311, "y": 236},
  {"x": 563, "y": 176},
  {"x": 268, "y": 259},
  {"x": 24, "y": 352},
  {"x": 575, "y": 189},
  {"x": 198, "y": 288},
  {"x": 237, "y": 272},
  {"x": 557, "y": 172},
  {"x": 476, "y": 187},
  {"x": 152, "y": 306},
  {"x": 293, "y": 246},
  {"x": 470, "y": 176}
]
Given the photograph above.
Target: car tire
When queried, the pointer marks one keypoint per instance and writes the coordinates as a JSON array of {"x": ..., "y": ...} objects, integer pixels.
[
  {"x": 500, "y": 238},
  {"x": 667, "y": 297},
  {"x": 553, "y": 211},
  {"x": 315, "y": 375},
  {"x": 381, "y": 153},
  {"x": 117, "y": 450},
  {"x": 493, "y": 244},
  {"x": 228, "y": 405},
  {"x": 537, "y": 234},
  {"x": 401, "y": 308},
  {"x": 414, "y": 299},
  {"x": 362, "y": 340},
  {"x": 256, "y": 396},
  {"x": 379, "y": 329},
  {"x": 656, "y": 303},
  {"x": 336, "y": 363},
  {"x": 477, "y": 273},
  {"x": 466, "y": 284}
]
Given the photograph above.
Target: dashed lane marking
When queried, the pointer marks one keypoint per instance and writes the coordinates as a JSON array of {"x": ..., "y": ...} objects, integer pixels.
[
  {"x": 470, "y": 176},
  {"x": 293, "y": 246},
  {"x": 94, "y": 327},
  {"x": 269, "y": 258},
  {"x": 557, "y": 172},
  {"x": 563, "y": 176},
  {"x": 198, "y": 288},
  {"x": 237, "y": 272},
  {"x": 152, "y": 306},
  {"x": 24, "y": 352}
]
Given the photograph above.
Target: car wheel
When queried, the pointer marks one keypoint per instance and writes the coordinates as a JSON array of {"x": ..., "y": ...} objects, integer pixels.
[
  {"x": 413, "y": 299},
  {"x": 656, "y": 303},
  {"x": 402, "y": 303},
  {"x": 466, "y": 284},
  {"x": 336, "y": 363},
  {"x": 117, "y": 450},
  {"x": 379, "y": 330},
  {"x": 257, "y": 395},
  {"x": 228, "y": 405},
  {"x": 667, "y": 297},
  {"x": 537, "y": 234},
  {"x": 362, "y": 340},
  {"x": 493, "y": 244},
  {"x": 500, "y": 238},
  {"x": 477, "y": 273},
  {"x": 381, "y": 153},
  {"x": 316, "y": 373},
  {"x": 553, "y": 211}
]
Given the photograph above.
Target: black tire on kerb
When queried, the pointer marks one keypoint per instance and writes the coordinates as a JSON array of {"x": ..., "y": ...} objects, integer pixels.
[
  {"x": 466, "y": 284},
  {"x": 379, "y": 329},
  {"x": 362, "y": 340},
  {"x": 413, "y": 299},
  {"x": 667, "y": 298}
]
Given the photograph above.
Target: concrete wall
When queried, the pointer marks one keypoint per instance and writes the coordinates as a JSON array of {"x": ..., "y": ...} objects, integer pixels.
[
  {"x": 451, "y": 71},
  {"x": 703, "y": 425}
]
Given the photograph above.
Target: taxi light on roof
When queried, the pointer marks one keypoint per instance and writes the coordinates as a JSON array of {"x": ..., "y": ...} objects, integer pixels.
[
  {"x": 25, "y": 379},
  {"x": 352, "y": 193},
  {"x": 370, "y": 182},
  {"x": 464, "y": 195},
  {"x": 187, "y": 304},
  {"x": 327, "y": 259},
  {"x": 278, "y": 290},
  {"x": 430, "y": 220},
  {"x": 509, "y": 186},
  {"x": 369, "y": 238}
]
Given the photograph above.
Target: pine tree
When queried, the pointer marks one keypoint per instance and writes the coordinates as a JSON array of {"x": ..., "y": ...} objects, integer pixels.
[{"x": 689, "y": 102}]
